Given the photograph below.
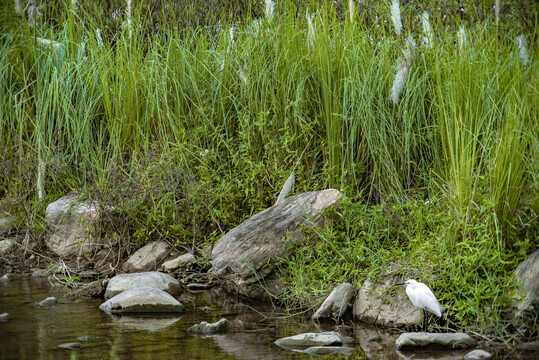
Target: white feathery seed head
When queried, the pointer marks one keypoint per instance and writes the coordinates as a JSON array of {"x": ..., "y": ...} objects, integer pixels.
[
  {"x": 129, "y": 17},
  {"x": 398, "y": 83},
  {"x": 98, "y": 35},
  {"x": 286, "y": 187},
  {"x": 18, "y": 9},
  {"x": 396, "y": 16},
  {"x": 310, "y": 30},
  {"x": 461, "y": 34},
  {"x": 427, "y": 39},
  {"x": 523, "y": 50},
  {"x": 351, "y": 9},
  {"x": 270, "y": 8}
]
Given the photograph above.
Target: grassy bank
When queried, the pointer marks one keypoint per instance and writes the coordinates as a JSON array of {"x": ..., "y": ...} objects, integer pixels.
[{"x": 188, "y": 119}]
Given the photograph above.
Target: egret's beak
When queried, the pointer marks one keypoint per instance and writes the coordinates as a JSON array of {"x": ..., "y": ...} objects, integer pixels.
[{"x": 400, "y": 284}]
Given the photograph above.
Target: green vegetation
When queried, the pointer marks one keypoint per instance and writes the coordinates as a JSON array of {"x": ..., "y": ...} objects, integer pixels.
[{"x": 188, "y": 118}]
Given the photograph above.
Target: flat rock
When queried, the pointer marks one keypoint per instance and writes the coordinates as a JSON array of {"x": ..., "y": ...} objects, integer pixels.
[
  {"x": 434, "y": 341},
  {"x": 328, "y": 350},
  {"x": 310, "y": 339},
  {"x": 4, "y": 317},
  {"x": 336, "y": 303},
  {"x": 220, "y": 327},
  {"x": 477, "y": 354},
  {"x": 5, "y": 246},
  {"x": 180, "y": 261},
  {"x": 142, "y": 300},
  {"x": 71, "y": 346},
  {"x": 381, "y": 304},
  {"x": 247, "y": 255},
  {"x": 48, "y": 302},
  {"x": 147, "y": 258},
  {"x": 154, "y": 279}
]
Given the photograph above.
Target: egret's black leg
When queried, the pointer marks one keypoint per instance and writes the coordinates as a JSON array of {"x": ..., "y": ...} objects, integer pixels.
[{"x": 424, "y": 321}]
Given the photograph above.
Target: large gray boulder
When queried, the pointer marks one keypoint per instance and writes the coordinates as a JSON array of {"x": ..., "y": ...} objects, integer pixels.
[
  {"x": 336, "y": 303},
  {"x": 71, "y": 221},
  {"x": 434, "y": 341},
  {"x": 147, "y": 258},
  {"x": 381, "y": 303},
  {"x": 246, "y": 256},
  {"x": 142, "y": 300},
  {"x": 153, "y": 279},
  {"x": 527, "y": 299},
  {"x": 310, "y": 339}
]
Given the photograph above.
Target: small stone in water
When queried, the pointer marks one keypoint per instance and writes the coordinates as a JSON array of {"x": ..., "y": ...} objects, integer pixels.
[
  {"x": 477, "y": 354},
  {"x": 4, "y": 317},
  {"x": 48, "y": 302},
  {"x": 87, "y": 338},
  {"x": 71, "y": 346},
  {"x": 207, "y": 309}
]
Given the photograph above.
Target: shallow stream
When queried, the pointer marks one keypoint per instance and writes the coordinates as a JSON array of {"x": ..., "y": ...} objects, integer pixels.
[{"x": 36, "y": 333}]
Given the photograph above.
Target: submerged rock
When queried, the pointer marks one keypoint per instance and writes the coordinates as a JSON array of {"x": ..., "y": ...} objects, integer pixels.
[
  {"x": 336, "y": 303},
  {"x": 154, "y": 279},
  {"x": 477, "y": 354},
  {"x": 328, "y": 350},
  {"x": 310, "y": 339},
  {"x": 434, "y": 341},
  {"x": 87, "y": 338},
  {"x": 147, "y": 258},
  {"x": 48, "y": 302},
  {"x": 220, "y": 327},
  {"x": 142, "y": 300},
  {"x": 40, "y": 273},
  {"x": 4, "y": 317},
  {"x": 244, "y": 257},
  {"x": 379, "y": 303},
  {"x": 527, "y": 305},
  {"x": 71, "y": 346}
]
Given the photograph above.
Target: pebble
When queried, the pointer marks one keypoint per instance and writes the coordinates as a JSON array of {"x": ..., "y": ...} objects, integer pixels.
[
  {"x": 71, "y": 346},
  {"x": 477, "y": 354},
  {"x": 48, "y": 302},
  {"x": 4, "y": 317}
]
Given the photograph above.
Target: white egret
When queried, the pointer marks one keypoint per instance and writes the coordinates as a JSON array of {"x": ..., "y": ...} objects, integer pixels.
[{"x": 423, "y": 298}]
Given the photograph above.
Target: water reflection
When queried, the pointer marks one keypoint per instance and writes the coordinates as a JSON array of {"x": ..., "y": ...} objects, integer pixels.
[{"x": 144, "y": 322}]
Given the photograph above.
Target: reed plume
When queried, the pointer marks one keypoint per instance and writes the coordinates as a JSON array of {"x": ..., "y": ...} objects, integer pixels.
[
  {"x": 270, "y": 8},
  {"x": 427, "y": 39},
  {"x": 461, "y": 34},
  {"x": 18, "y": 9},
  {"x": 129, "y": 17},
  {"x": 396, "y": 16},
  {"x": 351, "y": 9},
  {"x": 523, "y": 50},
  {"x": 402, "y": 71},
  {"x": 286, "y": 187},
  {"x": 310, "y": 30}
]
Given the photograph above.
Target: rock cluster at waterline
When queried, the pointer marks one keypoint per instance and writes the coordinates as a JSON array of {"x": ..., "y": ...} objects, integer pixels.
[
  {"x": 337, "y": 303},
  {"x": 222, "y": 326}
]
